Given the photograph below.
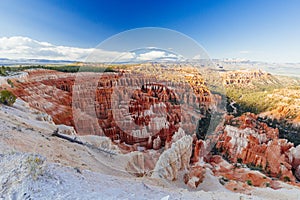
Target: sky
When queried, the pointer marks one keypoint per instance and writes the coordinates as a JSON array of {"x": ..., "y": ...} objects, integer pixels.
[{"x": 260, "y": 30}]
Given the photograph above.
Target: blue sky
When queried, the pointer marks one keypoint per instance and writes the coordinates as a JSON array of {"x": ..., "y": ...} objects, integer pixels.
[{"x": 265, "y": 30}]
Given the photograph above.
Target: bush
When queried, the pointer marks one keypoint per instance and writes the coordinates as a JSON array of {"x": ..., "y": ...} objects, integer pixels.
[
  {"x": 7, "y": 97},
  {"x": 286, "y": 179},
  {"x": 35, "y": 166},
  {"x": 3, "y": 71},
  {"x": 249, "y": 182},
  {"x": 252, "y": 166},
  {"x": 10, "y": 83}
]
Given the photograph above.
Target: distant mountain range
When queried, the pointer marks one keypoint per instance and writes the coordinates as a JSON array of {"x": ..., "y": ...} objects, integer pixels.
[{"x": 288, "y": 69}]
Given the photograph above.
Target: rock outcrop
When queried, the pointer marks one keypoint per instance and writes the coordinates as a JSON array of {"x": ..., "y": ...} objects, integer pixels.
[
  {"x": 194, "y": 177},
  {"x": 247, "y": 77},
  {"x": 174, "y": 159},
  {"x": 67, "y": 130},
  {"x": 101, "y": 142},
  {"x": 43, "y": 91},
  {"x": 126, "y": 107},
  {"x": 285, "y": 105},
  {"x": 141, "y": 163},
  {"x": 297, "y": 172},
  {"x": 245, "y": 140}
]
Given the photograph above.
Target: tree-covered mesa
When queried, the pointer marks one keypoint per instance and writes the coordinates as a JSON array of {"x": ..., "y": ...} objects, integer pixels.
[
  {"x": 7, "y": 98},
  {"x": 60, "y": 68}
]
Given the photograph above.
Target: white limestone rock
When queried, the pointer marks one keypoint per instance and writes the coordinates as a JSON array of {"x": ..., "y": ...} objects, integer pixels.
[
  {"x": 67, "y": 130},
  {"x": 178, "y": 135},
  {"x": 174, "y": 159},
  {"x": 102, "y": 142}
]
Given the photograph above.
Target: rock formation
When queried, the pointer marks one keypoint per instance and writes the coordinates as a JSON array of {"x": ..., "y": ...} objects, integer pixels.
[
  {"x": 126, "y": 107},
  {"x": 247, "y": 77},
  {"x": 194, "y": 177},
  {"x": 101, "y": 142},
  {"x": 141, "y": 163},
  {"x": 285, "y": 105},
  {"x": 245, "y": 140},
  {"x": 67, "y": 130},
  {"x": 142, "y": 116},
  {"x": 174, "y": 159}
]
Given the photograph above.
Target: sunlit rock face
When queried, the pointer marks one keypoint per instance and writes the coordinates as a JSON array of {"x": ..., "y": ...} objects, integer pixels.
[
  {"x": 152, "y": 110},
  {"x": 236, "y": 175},
  {"x": 294, "y": 159},
  {"x": 200, "y": 150},
  {"x": 127, "y": 107},
  {"x": 142, "y": 117},
  {"x": 245, "y": 140},
  {"x": 194, "y": 177},
  {"x": 174, "y": 159},
  {"x": 48, "y": 91},
  {"x": 141, "y": 163},
  {"x": 297, "y": 172},
  {"x": 246, "y": 77}
]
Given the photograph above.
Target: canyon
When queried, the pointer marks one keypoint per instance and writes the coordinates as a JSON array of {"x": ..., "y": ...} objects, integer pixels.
[
  {"x": 124, "y": 107},
  {"x": 157, "y": 127}
]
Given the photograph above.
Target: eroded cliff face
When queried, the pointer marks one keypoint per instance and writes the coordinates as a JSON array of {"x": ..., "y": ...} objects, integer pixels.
[
  {"x": 274, "y": 98},
  {"x": 247, "y": 153},
  {"x": 137, "y": 108},
  {"x": 248, "y": 141},
  {"x": 142, "y": 116},
  {"x": 127, "y": 107},
  {"x": 174, "y": 159},
  {"x": 48, "y": 91},
  {"x": 248, "y": 78},
  {"x": 285, "y": 105}
]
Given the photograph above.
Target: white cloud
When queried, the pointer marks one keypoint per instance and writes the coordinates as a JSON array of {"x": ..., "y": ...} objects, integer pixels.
[
  {"x": 151, "y": 55},
  {"x": 18, "y": 47},
  {"x": 157, "y": 55},
  {"x": 23, "y": 47}
]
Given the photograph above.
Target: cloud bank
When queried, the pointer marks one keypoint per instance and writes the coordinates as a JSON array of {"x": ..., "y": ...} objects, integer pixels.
[
  {"x": 19, "y": 47},
  {"x": 157, "y": 55}
]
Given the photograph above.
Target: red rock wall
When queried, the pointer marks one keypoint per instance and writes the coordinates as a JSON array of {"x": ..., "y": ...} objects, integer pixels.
[
  {"x": 150, "y": 109},
  {"x": 248, "y": 141}
]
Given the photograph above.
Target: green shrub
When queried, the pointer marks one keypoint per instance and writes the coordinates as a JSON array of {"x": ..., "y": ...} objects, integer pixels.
[
  {"x": 286, "y": 179},
  {"x": 3, "y": 71},
  {"x": 249, "y": 182},
  {"x": 7, "y": 97},
  {"x": 10, "y": 83},
  {"x": 35, "y": 166},
  {"x": 252, "y": 166}
]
